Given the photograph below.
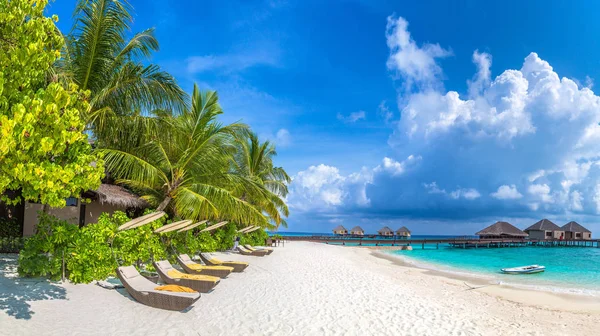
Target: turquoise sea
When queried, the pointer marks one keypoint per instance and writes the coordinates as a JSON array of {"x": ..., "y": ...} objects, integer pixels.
[{"x": 568, "y": 269}]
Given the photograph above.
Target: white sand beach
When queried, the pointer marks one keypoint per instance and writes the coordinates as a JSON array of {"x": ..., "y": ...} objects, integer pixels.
[{"x": 301, "y": 289}]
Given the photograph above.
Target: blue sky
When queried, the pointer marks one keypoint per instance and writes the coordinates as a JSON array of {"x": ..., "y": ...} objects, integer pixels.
[{"x": 443, "y": 116}]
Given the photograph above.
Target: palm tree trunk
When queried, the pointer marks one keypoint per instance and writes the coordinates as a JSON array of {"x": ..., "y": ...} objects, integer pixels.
[{"x": 164, "y": 204}]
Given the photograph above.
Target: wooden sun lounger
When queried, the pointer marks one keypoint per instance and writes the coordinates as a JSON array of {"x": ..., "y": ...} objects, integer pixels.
[
  {"x": 195, "y": 268},
  {"x": 257, "y": 253},
  {"x": 238, "y": 266},
  {"x": 143, "y": 291},
  {"x": 200, "y": 283},
  {"x": 253, "y": 248}
]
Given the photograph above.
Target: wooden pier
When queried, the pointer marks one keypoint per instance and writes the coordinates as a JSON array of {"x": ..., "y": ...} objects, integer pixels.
[{"x": 459, "y": 242}]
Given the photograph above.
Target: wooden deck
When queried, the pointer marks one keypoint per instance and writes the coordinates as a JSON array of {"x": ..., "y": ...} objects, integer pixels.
[{"x": 459, "y": 242}]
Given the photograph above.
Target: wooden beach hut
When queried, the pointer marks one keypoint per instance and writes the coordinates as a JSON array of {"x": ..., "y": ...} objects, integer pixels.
[
  {"x": 501, "y": 230},
  {"x": 357, "y": 231},
  {"x": 386, "y": 231},
  {"x": 545, "y": 229},
  {"x": 403, "y": 232},
  {"x": 574, "y": 230},
  {"x": 340, "y": 230}
]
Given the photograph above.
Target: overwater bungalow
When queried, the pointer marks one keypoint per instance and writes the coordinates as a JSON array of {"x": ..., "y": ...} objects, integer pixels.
[
  {"x": 403, "y": 232},
  {"x": 574, "y": 230},
  {"x": 386, "y": 231},
  {"x": 545, "y": 229},
  {"x": 107, "y": 198},
  {"x": 340, "y": 230},
  {"x": 357, "y": 231},
  {"x": 502, "y": 230}
]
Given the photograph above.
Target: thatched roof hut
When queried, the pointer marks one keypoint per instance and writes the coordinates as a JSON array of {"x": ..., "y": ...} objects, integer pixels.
[
  {"x": 357, "y": 230},
  {"x": 545, "y": 229},
  {"x": 340, "y": 230},
  {"x": 501, "y": 230},
  {"x": 117, "y": 196},
  {"x": 386, "y": 231},
  {"x": 543, "y": 225},
  {"x": 403, "y": 231},
  {"x": 574, "y": 230},
  {"x": 575, "y": 227}
]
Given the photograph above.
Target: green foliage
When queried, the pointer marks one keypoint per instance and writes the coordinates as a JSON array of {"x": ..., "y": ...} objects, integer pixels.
[
  {"x": 88, "y": 254},
  {"x": 102, "y": 56},
  {"x": 43, "y": 147},
  {"x": 11, "y": 244},
  {"x": 255, "y": 238},
  {"x": 182, "y": 163},
  {"x": 225, "y": 236},
  {"x": 9, "y": 228},
  {"x": 43, "y": 253}
]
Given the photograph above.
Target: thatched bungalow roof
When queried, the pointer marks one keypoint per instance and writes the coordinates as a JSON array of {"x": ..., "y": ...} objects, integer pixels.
[
  {"x": 119, "y": 196},
  {"x": 543, "y": 225},
  {"x": 574, "y": 227},
  {"x": 384, "y": 230},
  {"x": 357, "y": 229},
  {"x": 403, "y": 230},
  {"x": 339, "y": 228},
  {"x": 502, "y": 229}
]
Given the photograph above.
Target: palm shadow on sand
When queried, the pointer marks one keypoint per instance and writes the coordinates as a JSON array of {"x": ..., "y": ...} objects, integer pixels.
[{"x": 16, "y": 292}]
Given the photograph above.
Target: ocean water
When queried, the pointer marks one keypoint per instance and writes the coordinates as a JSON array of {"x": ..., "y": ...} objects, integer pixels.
[{"x": 568, "y": 269}]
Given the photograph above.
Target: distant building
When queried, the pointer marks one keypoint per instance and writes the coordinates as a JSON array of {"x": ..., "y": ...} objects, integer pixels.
[
  {"x": 545, "y": 229},
  {"x": 403, "y": 232},
  {"x": 501, "y": 230},
  {"x": 385, "y": 231},
  {"x": 574, "y": 230},
  {"x": 108, "y": 198},
  {"x": 358, "y": 231},
  {"x": 340, "y": 230}
]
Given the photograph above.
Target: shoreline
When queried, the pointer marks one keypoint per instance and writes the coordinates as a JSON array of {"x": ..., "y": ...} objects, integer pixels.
[{"x": 530, "y": 296}]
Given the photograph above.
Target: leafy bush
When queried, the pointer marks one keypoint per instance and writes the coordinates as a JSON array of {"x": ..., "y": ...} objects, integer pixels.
[
  {"x": 255, "y": 238},
  {"x": 9, "y": 228},
  {"x": 88, "y": 254},
  {"x": 225, "y": 236},
  {"x": 11, "y": 244},
  {"x": 43, "y": 253}
]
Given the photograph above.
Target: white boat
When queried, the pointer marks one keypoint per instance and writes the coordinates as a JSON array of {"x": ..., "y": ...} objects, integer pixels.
[{"x": 524, "y": 269}]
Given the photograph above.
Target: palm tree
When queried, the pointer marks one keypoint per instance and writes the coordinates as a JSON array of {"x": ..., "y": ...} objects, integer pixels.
[
  {"x": 182, "y": 163},
  {"x": 98, "y": 57},
  {"x": 254, "y": 161}
]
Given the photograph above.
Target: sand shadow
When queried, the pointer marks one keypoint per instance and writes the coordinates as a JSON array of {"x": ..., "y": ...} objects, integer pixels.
[{"x": 16, "y": 292}]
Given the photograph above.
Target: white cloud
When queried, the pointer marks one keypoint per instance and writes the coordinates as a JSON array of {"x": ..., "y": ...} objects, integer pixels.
[
  {"x": 417, "y": 65},
  {"x": 507, "y": 192},
  {"x": 482, "y": 79},
  {"x": 385, "y": 112},
  {"x": 541, "y": 192},
  {"x": 264, "y": 54},
  {"x": 469, "y": 194},
  {"x": 352, "y": 117},
  {"x": 576, "y": 201},
  {"x": 534, "y": 176},
  {"x": 397, "y": 168},
  {"x": 319, "y": 187},
  {"x": 433, "y": 188},
  {"x": 283, "y": 138}
]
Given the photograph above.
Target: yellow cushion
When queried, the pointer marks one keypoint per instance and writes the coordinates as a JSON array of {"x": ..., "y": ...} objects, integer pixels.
[
  {"x": 175, "y": 288},
  {"x": 198, "y": 267},
  {"x": 217, "y": 261},
  {"x": 175, "y": 274}
]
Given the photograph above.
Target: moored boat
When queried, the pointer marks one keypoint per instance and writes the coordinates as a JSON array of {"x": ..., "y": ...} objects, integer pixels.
[{"x": 524, "y": 269}]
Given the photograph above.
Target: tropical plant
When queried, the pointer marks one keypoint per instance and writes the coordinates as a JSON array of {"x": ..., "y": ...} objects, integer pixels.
[
  {"x": 98, "y": 57},
  {"x": 254, "y": 161},
  {"x": 182, "y": 163},
  {"x": 43, "y": 148},
  {"x": 255, "y": 238}
]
